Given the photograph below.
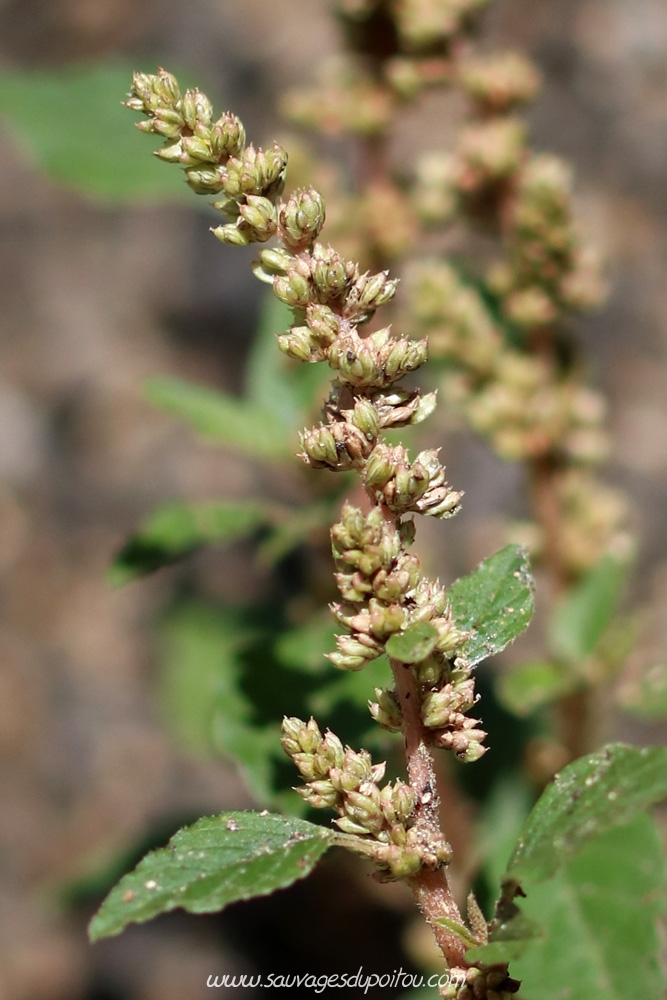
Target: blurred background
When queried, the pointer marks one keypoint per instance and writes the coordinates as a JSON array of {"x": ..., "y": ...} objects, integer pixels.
[{"x": 108, "y": 279}]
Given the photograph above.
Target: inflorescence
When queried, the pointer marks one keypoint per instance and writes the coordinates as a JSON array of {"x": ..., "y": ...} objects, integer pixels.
[{"x": 382, "y": 588}]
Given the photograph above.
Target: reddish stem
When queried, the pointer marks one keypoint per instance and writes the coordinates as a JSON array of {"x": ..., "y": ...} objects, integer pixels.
[{"x": 430, "y": 887}]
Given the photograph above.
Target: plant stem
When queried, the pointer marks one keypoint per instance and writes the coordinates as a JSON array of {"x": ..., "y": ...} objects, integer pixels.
[
  {"x": 430, "y": 887},
  {"x": 548, "y": 515}
]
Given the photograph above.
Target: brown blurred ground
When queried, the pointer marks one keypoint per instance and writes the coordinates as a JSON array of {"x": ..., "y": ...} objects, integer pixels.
[{"x": 96, "y": 299}]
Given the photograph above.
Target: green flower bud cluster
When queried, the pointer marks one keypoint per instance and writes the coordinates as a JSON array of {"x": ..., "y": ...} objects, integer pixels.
[
  {"x": 525, "y": 412},
  {"x": 444, "y": 710},
  {"x": 500, "y": 82},
  {"x": 423, "y": 24},
  {"x": 342, "y": 779},
  {"x": 381, "y": 585},
  {"x": 356, "y": 98},
  {"x": 330, "y": 293},
  {"x": 384, "y": 593},
  {"x": 401, "y": 407},
  {"x": 595, "y": 521},
  {"x": 374, "y": 575},
  {"x": 342, "y": 443},
  {"x": 348, "y": 99},
  {"x": 376, "y": 361},
  {"x": 513, "y": 399},
  {"x": 386, "y": 711},
  {"x": 545, "y": 260},
  {"x": 492, "y": 176},
  {"x": 301, "y": 218},
  {"x": 489, "y": 152},
  {"x": 214, "y": 156},
  {"x": 404, "y": 487},
  {"x": 370, "y": 558},
  {"x": 430, "y": 604},
  {"x": 322, "y": 276}
]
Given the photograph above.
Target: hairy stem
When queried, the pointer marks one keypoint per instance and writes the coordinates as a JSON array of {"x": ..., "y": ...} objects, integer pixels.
[{"x": 430, "y": 887}]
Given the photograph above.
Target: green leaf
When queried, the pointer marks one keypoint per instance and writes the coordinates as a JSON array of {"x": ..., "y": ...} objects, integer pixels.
[
  {"x": 177, "y": 529},
  {"x": 72, "y": 124},
  {"x": 588, "y": 797},
  {"x": 297, "y": 527},
  {"x": 220, "y": 860},
  {"x": 455, "y": 927},
  {"x": 599, "y": 915},
  {"x": 414, "y": 644},
  {"x": 583, "y": 614},
  {"x": 508, "y": 941},
  {"x": 503, "y": 814},
  {"x": 202, "y": 696},
  {"x": 495, "y": 602},
  {"x": 587, "y": 800},
  {"x": 269, "y": 374},
  {"x": 647, "y": 697},
  {"x": 352, "y": 687},
  {"x": 225, "y": 419},
  {"x": 304, "y": 647},
  {"x": 528, "y": 686}
]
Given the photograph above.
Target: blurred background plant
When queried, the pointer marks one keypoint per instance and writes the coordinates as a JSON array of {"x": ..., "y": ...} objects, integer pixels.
[{"x": 119, "y": 708}]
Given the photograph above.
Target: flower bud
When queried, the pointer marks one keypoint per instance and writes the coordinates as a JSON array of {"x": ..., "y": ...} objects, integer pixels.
[
  {"x": 436, "y": 708},
  {"x": 233, "y": 235},
  {"x": 379, "y": 467},
  {"x": 360, "y": 644},
  {"x": 355, "y": 769},
  {"x": 298, "y": 344},
  {"x": 196, "y": 108},
  {"x": 292, "y": 289},
  {"x": 367, "y": 294},
  {"x": 354, "y": 657},
  {"x": 323, "y": 321},
  {"x": 365, "y": 417},
  {"x": 301, "y": 218},
  {"x": 500, "y": 82},
  {"x": 171, "y": 152},
  {"x": 204, "y": 180},
  {"x": 275, "y": 260},
  {"x": 348, "y": 825},
  {"x": 385, "y": 619},
  {"x": 331, "y": 274},
  {"x": 466, "y": 744},
  {"x": 195, "y": 150},
  {"x": 299, "y": 736},
  {"x": 256, "y": 171},
  {"x": 162, "y": 125},
  {"x": 308, "y": 766},
  {"x": 331, "y": 750},
  {"x": 378, "y": 290},
  {"x": 364, "y": 808},
  {"x": 168, "y": 87},
  {"x": 319, "y": 446},
  {"x": 227, "y": 137},
  {"x": 397, "y": 802},
  {"x": 386, "y": 710},
  {"x": 320, "y": 795},
  {"x": 260, "y": 214},
  {"x": 430, "y": 671},
  {"x": 272, "y": 164}
]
